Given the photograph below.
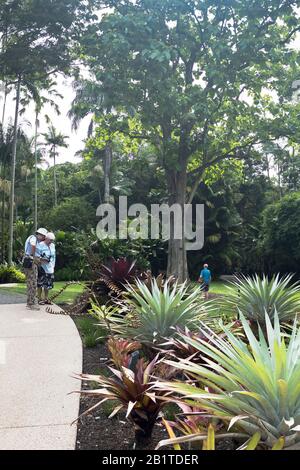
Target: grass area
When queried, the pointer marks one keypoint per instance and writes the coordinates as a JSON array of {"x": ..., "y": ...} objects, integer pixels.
[
  {"x": 66, "y": 297},
  {"x": 69, "y": 295},
  {"x": 217, "y": 287}
]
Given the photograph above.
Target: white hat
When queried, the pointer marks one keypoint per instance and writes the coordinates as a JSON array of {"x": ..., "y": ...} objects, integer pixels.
[
  {"x": 42, "y": 231},
  {"x": 50, "y": 236}
]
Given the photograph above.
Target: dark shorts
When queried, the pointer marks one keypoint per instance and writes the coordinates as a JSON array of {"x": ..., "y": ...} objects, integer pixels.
[
  {"x": 45, "y": 280},
  {"x": 205, "y": 287}
]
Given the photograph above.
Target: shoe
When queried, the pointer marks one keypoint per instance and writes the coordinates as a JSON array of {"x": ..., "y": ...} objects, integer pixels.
[{"x": 33, "y": 307}]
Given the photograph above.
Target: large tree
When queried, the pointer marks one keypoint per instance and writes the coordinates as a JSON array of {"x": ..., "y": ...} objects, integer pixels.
[{"x": 193, "y": 73}]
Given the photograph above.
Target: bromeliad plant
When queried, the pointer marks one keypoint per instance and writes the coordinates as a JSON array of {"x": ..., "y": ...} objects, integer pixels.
[
  {"x": 255, "y": 296},
  {"x": 133, "y": 391},
  {"x": 178, "y": 346},
  {"x": 158, "y": 311},
  {"x": 254, "y": 387},
  {"x": 151, "y": 315},
  {"x": 121, "y": 351},
  {"x": 117, "y": 273}
]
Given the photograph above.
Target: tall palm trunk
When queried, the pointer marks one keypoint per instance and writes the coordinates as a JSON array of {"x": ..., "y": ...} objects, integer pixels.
[
  {"x": 13, "y": 176},
  {"x": 3, "y": 228},
  {"x": 4, "y": 42},
  {"x": 4, "y": 103},
  {"x": 107, "y": 167},
  {"x": 54, "y": 176},
  {"x": 35, "y": 175}
]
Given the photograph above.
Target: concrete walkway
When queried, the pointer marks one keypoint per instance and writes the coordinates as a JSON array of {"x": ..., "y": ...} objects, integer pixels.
[{"x": 38, "y": 354}]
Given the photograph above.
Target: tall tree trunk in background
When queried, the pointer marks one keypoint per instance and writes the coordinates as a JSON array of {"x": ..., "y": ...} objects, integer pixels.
[
  {"x": 13, "y": 176},
  {"x": 4, "y": 103},
  {"x": 177, "y": 256},
  {"x": 4, "y": 42},
  {"x": 107, "y": 168},
  {"x": 3, "y": 228},
  {"x": 54, "y": 176},
  {"x": 35, "y": 176}
]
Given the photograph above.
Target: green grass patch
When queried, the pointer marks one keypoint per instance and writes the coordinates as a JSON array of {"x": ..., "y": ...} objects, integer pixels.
[{"x": 66, "y": 297}]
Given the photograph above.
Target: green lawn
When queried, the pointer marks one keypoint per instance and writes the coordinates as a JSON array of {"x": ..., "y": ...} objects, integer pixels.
[
  {"x": 218, "y": 287},
  {"x": 66, "y": 297}
]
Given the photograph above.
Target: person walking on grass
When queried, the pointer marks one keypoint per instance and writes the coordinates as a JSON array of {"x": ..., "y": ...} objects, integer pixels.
[
  {"x": 47, "y": 256},
  {"x": 30, "y": 266},
  {"x": 205, "y": 279}
]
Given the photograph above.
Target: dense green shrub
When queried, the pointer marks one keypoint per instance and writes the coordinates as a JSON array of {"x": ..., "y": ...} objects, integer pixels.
[
  {"x": 10, "y": 274},
  {"x": 72, "y": 212},
  {"x": 281, "y": 235},
  {"x": 71, "y": 262}
]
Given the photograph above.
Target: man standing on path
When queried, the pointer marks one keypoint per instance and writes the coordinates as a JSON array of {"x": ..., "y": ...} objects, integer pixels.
[
  {"x": 30, "y": 267},
  {"x": 46, "y": 252},
  {"x": 205, "y": 278}
]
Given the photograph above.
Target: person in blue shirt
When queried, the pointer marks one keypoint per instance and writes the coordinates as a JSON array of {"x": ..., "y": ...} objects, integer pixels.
[
  {"x": 46, "y": 253},
  {"x": 205, "y": 278}
]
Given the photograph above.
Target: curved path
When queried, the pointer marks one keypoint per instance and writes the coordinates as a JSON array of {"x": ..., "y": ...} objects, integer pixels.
[{"x": 38, "y": 354}]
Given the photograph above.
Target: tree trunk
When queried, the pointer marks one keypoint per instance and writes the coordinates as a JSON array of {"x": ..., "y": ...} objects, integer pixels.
[
  {"x": 177, "y": 257},
  {"x": 35, "y": 176},
  {"x": 4, "y": 103},
  {"x": 13, "y": 177},
  {"x": 107, "y": 167},
  {"x": 54, "y": 176},
  {"x": 3, "y": 223}
]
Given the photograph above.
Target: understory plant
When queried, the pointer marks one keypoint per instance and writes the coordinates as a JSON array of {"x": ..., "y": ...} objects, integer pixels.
[
  {"x": 256, "y": 296},
  {"x": 178, "y": 347},
  {"x": 132, "y": 389},
  {"x": 254, "y": 387},
  {"x": 117, "y": 273},
  {"x": 151, "y": 314}
]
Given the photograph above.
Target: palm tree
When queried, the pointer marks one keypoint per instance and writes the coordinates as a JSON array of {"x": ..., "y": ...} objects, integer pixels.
[
  {"x": 6, "y": 139},
  {"x": 54, "y": 140},
  {"x": 33, "y": 92},
  {"x": 90, "y": 99}
]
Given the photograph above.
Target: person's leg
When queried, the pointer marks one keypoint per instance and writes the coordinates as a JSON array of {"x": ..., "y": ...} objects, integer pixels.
[
  {"x": 206, "y": 288},
  {"x": 28, "y": 275},
  {"x": 31, "y": 276},
  {"x": 39, "y": 293}
]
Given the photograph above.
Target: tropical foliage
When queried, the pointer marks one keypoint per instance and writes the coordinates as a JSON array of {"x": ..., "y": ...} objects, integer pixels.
[
  {"x": 151, "y": 315},
  {"x": 253, "y": 388},
  {"x": 132, "y": 389},
  {"x": 256, "y": 296}
]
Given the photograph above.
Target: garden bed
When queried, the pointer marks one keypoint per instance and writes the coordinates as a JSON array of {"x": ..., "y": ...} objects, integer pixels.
[{"x": 96, "y": 431}]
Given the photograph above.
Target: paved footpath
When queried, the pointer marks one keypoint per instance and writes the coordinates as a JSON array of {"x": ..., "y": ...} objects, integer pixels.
[{"x": 38, "y": 354}]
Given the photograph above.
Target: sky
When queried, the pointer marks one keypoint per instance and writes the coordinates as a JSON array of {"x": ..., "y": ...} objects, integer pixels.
[{"x": 62, "y": 122}]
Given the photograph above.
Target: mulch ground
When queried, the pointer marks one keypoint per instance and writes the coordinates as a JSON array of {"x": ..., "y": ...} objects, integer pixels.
[{"x": 96, "y": 431}]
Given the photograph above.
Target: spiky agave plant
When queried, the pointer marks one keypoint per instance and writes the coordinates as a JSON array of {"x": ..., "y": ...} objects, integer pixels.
[
  {"x": 158, "y": 311},
  {"x": 254, "y": 387},
  {"x": 255, "y": 296},
  {"x": 132, "y": 389}
]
